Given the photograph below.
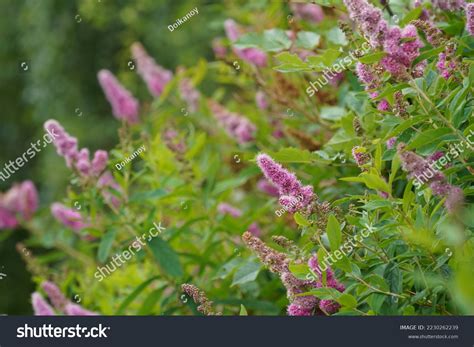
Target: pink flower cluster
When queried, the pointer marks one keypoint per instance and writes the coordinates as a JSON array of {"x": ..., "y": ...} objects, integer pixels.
[
  {"x": 293, "y": 195},
  {"x": 21, "y": 200},
  {"x": 278, "y": 263},
  {"x": 401, "y": 45},
  {"x": 268, "y": 188},
  {"x": 68, "y": 217},
  {"x": 66, "y": 146},
  {"x": 254, "y": 56},
  {"x": 418, "y": 168},
  {"x": 261, "y": 100},
  {"x": 189, "y": 94},
  {"x": 124, "y": 105},
  {"x": 449, "y": 5},
  {"x": 60, "y": 304},
  {"x": 470, "y": 18},
  {"x": 445, "y": 65},
  {"x": 236, "y": 126},
  {"x": 155, "y": 77},
  {"x": 370, "y": 20},
  {"x": 309, "y": 12}
]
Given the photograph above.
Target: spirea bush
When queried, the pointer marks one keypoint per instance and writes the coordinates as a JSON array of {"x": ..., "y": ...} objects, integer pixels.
[{"x": 328, "y": 171}]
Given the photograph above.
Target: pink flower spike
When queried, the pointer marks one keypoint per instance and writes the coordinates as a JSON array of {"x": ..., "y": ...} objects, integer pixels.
[
  {"x": 107, "y": 182},
  {"x": 41, "y": 306},
  {"x": 155, "y": 77},
  {"x": 66, "y": 145},
  {"x": 124, "y": 105},
  {"x": 309, "y": 12},
  {"x": 67, "y": 217},
  {"x": 99, "y": 163},
  {"x": 55, "y": 295},
  {"x": 224, "y": 208},
  {"x": 470, "y": 18}
]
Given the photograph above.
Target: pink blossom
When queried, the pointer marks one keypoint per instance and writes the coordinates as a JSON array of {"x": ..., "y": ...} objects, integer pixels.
[
  {"x": 383, "y": 105},
  {"x": 66, "y": 145},
  {"x": 360, "y": 156},
  {"x": 41, "y": 306},
  {"x": 261, "y": 100},
  {"x": 22, "y": 199},
  {"x": 107, "y": 182},
  {"x": 68, "y": 217},
  {"x": 83, "y": 164},
  {"x": 236, "y": 126},
  {"x": 219, "y": 49},
  {"x": 7, "y": 219},
  {"x": 370, "y": 20},
  {"x": 449, "y": 5},
  {"x": 189, "y": 94},
  {"x": 154, "y": 75},
  {"x": 99, "y": 163},
  {"x": 254, "y": 229},
  {"x": 266, "y": 187},
  {"x": 124, "y": 105},
  {"x": 470, "y": 18},
  {"x": 55, "y": 295},
  {"x": 224, "y": 208},
  {"x": 293, "y": 195},
  {"x": 391, "y": 142},
  {"x": 253, "y": 55},
  {"x": 309, "y": 12}
]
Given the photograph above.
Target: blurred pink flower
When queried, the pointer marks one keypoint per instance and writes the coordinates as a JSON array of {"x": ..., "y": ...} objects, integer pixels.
[
  {"x": 41, "y": 306},
  {"x": 66, "y": 145},
  {"x": 309, "y": 12},
  {"x": 124, "y": 105},
  {"x": 253, "y": 55},
  {"x": 107, "y": 182},
  {"x": 261, "y": 100},
  {"x": 22, "y": 198},
  {"x": 189, "y": 94},
  {"x": 68, "y": 217},
  {"x": 154, "y": 75},
  {"x": 470, "y": 18},
  {"x": 224, "y": 208}
]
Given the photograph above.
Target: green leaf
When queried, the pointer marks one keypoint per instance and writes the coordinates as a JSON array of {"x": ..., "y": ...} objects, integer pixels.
[
  {"x": 166, "y": 257},
  {"x": 246, "y": 273},
  {"x": 323, "y": 61},
  {"x": 323, "y": 293},
  {"x": 412, "y": 15},
  {"x": 243, "y": 311},
  {"x": 333, "y": 230},
  {"x": 394, "y": 278},
  {"x": 301, "y": 220},
  {"x": 347, "y": 300},
  {"x": 150, "y": 302},
  {"x": 106, "y": 245},
  {"x": 292, "y": 155},
  {"x": 372, "y": 58},
  {"x": 307, "y": 39},
  {"x": 290, "y": 63},
  {"x": 427, "y": 137},
  {"x": 134, "y": 294},
  {"x": 332, "y": 112}
]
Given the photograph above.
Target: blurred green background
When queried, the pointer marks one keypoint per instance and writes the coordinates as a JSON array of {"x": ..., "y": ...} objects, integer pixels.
[{"x": 50, "y": 53}]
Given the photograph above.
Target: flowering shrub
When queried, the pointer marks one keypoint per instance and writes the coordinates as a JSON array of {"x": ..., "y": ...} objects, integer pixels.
[{"x": 373, "y": 170}]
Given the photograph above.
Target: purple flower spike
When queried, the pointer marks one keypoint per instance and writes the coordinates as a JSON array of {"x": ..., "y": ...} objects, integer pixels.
[
  {"x": 107, "y": 182},
  {"x": 254, "y": 56},
  {"x": 293, "y": 195},
  {"x": 225, "y": 208},
  {"x": 66, "y": 145},
  {"x": 236, "y": 126},
  {"x": 470, "y": 18},
  {"x": 155, "y": 77},
  {"x": 189, "y": 94},
  {"x": 99, "y": 163},
  {"x": 309, "y": 12},
  {"x": 124, "y": 105},
  {"x": 268, "y": 188},
  {"x": 68, "y": 217},
  {"x": 55, "y": 295},
  {"x": 41, "y": 306}
]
